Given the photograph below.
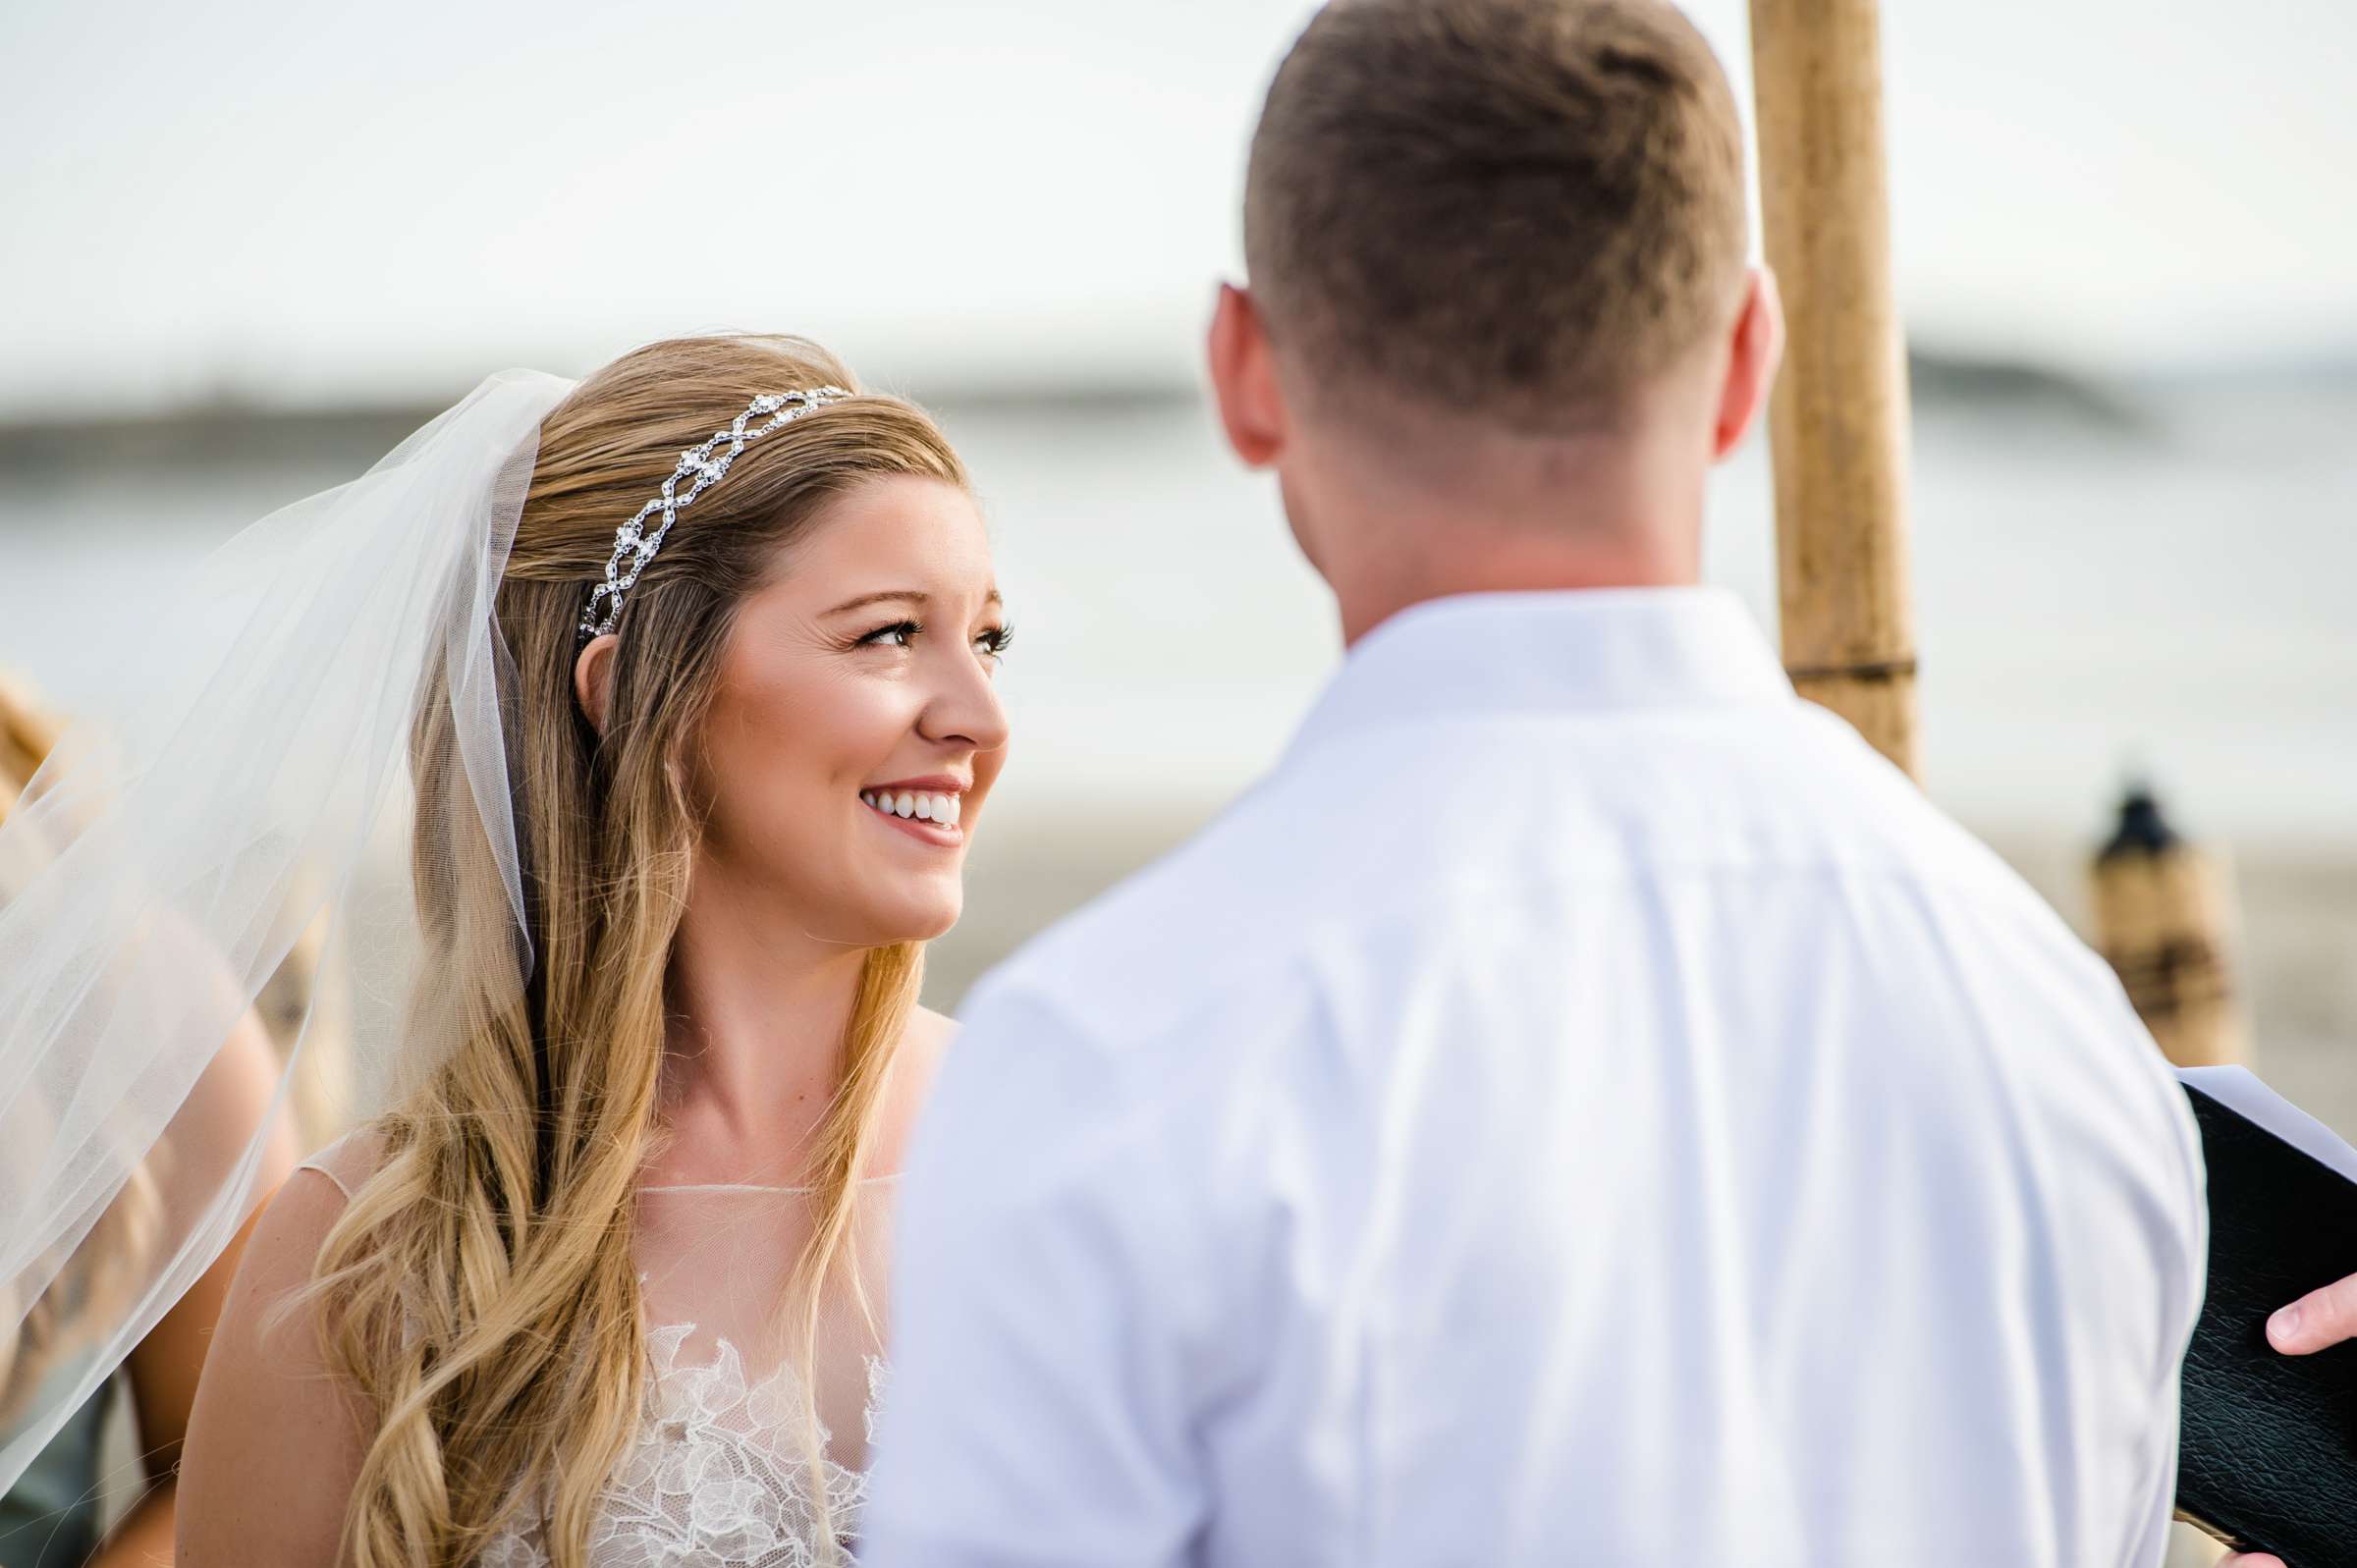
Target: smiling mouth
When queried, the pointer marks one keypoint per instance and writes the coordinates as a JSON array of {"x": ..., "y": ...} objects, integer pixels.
[
  {"x": 941, "y": 809},
  {"x": 928, "y": 816}
]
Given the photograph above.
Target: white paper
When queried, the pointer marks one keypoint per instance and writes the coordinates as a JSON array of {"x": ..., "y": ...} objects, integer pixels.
[{"x": 2239, "y": 1090}]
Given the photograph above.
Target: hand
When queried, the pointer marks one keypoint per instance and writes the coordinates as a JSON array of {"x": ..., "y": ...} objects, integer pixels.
[
  {"x": 2239, "y": 1559},
  {"x": 2317, "y": 1321}
]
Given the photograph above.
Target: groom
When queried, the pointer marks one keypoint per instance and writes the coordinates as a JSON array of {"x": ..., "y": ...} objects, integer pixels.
[{"x": 1583, "y": 1106}]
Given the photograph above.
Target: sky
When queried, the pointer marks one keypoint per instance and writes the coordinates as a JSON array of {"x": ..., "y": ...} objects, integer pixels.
[{"x": 298, "y": 202}]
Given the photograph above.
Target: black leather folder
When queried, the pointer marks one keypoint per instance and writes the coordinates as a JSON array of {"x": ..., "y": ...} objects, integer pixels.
[{"x": 2269, "y": 1457}]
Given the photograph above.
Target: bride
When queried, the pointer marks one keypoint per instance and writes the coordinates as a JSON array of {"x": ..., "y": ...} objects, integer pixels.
[{"x": 698, "y": 743}]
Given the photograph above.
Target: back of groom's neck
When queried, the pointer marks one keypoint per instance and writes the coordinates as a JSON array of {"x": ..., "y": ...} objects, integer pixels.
[
  {"x": 1523, "y": 565},
  {"x": 1613, "y": 513}
]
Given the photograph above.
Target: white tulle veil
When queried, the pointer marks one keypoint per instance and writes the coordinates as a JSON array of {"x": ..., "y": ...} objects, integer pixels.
[{"x": 148, "y": 873}]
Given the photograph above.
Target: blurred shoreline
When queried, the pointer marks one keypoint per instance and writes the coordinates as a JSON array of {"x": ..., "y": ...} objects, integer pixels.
[{"x": 236, "y": 426}]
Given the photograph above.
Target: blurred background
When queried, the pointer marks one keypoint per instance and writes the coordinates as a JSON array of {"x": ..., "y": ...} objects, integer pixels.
[{"x": 252, "y": 244}]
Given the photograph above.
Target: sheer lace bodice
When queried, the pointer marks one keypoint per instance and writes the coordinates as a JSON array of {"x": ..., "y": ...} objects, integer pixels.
[
  {"x": 718, "y": 1474},
  {"x": 717, "y": 1477}
]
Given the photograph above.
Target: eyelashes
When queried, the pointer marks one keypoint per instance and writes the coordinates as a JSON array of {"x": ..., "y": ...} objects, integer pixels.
[
  {"x": 896, "y": 634},
  {"x": 992, "y": 641}
]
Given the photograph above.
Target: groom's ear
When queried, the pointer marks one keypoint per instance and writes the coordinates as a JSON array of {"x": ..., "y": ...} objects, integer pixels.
[
  {"x": 1243, "y": 379},
  {"x": 1757, "y": 348}
]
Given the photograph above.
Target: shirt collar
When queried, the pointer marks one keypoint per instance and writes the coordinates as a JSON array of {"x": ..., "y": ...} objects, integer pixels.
[{"x": 1557, "y": 652}]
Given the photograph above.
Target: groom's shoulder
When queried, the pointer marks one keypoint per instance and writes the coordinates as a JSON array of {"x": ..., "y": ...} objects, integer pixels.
[
  {"x": 1386, "y": 847},
  {"x": 1222, "y": 917}
]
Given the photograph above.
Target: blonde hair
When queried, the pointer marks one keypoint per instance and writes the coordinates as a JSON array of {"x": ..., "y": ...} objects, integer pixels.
[{"x": 479, "y": 1291}]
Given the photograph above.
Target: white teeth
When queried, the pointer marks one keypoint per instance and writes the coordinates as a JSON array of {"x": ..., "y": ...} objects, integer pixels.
[{"x": 945, "y": 809}]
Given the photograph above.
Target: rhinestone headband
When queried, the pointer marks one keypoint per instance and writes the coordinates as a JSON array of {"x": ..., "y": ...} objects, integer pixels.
[{"x": 634, "y": 545}]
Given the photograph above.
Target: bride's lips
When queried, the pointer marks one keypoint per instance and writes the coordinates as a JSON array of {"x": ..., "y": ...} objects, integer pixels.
[{"x": 939, "y": 797}]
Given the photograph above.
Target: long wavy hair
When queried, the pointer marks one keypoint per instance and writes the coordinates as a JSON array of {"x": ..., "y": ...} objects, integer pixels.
[{"x": 479, "y": 1291}]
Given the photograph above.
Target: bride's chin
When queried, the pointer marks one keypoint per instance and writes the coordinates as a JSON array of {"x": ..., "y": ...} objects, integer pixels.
[
  {"x": 941, "y": 925},
  {"x": 916, "y": 920}
]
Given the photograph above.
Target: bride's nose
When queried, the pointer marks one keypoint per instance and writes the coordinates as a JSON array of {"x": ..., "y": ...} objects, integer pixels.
[{"x": 965, "y": 710}]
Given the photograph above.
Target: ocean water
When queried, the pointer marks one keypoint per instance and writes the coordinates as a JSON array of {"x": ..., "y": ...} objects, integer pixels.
[{"x": 2154, "y": 577}]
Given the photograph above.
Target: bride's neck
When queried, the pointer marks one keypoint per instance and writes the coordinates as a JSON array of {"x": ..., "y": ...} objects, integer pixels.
[{"x": 759, "y": 1007}]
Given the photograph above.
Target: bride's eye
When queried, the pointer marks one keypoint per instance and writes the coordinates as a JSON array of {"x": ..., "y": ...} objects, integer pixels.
[
  {"x": 993, "y": 644},
  {"x": 897, "y": 635}
]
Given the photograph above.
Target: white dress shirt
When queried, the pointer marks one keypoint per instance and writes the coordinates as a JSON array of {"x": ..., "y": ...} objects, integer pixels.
[{"x": 1585, "y": 1106}]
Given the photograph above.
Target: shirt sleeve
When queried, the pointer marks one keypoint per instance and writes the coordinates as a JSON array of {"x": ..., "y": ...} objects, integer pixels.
[
  {"x": 2180, "y": 1244},
  {"x": 2150, "y": 1524},
  {"x": 1038, "y": 1411},
  {"x": 2189, "y": 1279}
]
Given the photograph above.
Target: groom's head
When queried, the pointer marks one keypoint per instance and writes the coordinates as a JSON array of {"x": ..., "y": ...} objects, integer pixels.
[{"x": 1500, "y": 303}]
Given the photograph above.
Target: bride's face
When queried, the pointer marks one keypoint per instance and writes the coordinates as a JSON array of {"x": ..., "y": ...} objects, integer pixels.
[{"x": 863, "y": 676}]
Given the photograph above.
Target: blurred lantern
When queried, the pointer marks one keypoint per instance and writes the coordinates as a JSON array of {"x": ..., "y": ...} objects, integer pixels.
[{"x": 2164, "y": 917}]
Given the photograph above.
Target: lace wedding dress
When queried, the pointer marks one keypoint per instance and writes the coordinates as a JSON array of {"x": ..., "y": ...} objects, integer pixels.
[{"x": 717, "y": 1476}]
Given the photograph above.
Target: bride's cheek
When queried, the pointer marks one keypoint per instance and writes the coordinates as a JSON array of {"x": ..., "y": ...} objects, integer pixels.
[{"x": 870, "y": 721}]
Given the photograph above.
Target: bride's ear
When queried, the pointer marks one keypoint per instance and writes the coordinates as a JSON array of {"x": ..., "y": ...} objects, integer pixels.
[{"x": 594, "y": 679}]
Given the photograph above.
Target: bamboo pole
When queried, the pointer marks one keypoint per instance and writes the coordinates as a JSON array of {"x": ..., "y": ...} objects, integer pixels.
[
  {"x": 1838, "y": 419},
  {"x": 2165, "y": 919}
]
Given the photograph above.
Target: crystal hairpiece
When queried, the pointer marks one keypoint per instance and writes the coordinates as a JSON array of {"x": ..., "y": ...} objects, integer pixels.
[{"x": 635, "y": 546}]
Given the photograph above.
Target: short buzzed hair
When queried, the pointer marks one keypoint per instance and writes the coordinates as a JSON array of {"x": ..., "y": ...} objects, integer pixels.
[{"x": 1519, "y": 209}]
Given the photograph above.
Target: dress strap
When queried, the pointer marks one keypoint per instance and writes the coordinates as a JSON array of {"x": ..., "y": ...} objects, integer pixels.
[
  {"x": 314, "y": 1164},
  {"x": 348, "y": 1161}
]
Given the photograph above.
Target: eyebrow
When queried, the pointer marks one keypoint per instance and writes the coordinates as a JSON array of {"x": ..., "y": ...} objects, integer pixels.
[{"x": 900, "y": 596}]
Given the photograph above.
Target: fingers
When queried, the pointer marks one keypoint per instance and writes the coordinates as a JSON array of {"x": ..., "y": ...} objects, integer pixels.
[
  {"x": 2249, "y": 1560},
  {"x": 2321, "y": 1318}
]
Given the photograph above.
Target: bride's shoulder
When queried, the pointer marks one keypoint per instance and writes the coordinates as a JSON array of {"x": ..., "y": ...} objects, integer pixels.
[
  {"x": 924, "y": 1043},
  {"x": 927, "y": 1043},
  {"x": 287, "y": 1231},
  {"x": 351, "y": 1160},
  {"x": 268, "y": 1404}
]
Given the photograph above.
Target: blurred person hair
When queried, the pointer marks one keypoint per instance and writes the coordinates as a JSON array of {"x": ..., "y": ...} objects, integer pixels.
[
  {"x": 29, "y": 732},
  {"x": 481, "y": 1291},
  {"x": 111, "y": 1259},
  {"x": 303, "y": 1001},
  {"x": 308, "y": 1000},
  {"x": 1514, "y": 210}
]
